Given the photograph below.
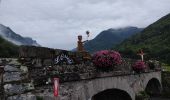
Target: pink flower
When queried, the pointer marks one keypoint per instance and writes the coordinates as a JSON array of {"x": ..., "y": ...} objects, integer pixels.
[
  {"x": 106, "y": 58},
  {"x": 139, "y": 65}
]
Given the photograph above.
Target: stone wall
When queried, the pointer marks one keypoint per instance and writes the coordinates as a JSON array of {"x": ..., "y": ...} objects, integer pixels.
[
  {"x": 1, "y": 81},
  {"x": 31, "y": 75},
  {"x": 32, "y": 79},
  {"x": 15, "y": 81},
  {"x": 46, "y": 55},
  {"x": 44, "y": 74}
]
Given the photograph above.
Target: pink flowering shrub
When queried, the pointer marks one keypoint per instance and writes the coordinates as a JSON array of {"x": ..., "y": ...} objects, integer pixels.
[
  {"x": 106, "y": 58},
  {"x": 139, "y": 66}
]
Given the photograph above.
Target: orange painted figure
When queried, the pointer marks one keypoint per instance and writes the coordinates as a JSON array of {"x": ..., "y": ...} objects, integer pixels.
[{"x": 80, "y": 47}]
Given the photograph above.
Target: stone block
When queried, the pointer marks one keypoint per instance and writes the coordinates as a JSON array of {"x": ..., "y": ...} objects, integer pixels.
[
  {"x": 27, "y": 96},
  {"x": 24, "y": 69},
  {"x": 14, "y": 62},
  {"x": 9, "y": 68},
  {"x": 1, "y": 62},
  {"x": 11, "y": 89},
  {"x": 11, "y": 76},
  {"x": 1, "y": 69},
  {"x": 0, "y": 79},
  {"x": 14, "y": 76},
  {"x": 48, "y": 62},
  {"x": 28, "y": 86}
]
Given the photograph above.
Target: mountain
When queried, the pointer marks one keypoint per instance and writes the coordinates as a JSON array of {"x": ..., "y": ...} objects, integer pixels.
[
  {"x": 109, "y": 38},
  {"x": 11, "y": 36},
  {"x": 8, "y": 49},
  {"x": 154, "y": 40}
]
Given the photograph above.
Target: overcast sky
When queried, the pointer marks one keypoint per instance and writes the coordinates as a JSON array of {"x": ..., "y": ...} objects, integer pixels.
[{"x": 56, "y": 23}]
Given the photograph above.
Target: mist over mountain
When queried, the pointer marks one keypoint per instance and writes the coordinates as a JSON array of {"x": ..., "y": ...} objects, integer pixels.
[
  {"x": 107, "y": 39},
  {"x": 8, "y": 34}
]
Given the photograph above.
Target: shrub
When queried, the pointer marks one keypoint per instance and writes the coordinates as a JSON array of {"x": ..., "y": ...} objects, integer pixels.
[
  {"x": 139, "y": 66},
  {"x": 106, "y": 58},
  {"x": 142, "y": 95},
  {"x": 151, "y": 64}
]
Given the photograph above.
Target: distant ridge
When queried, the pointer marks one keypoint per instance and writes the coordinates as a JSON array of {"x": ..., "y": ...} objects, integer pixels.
[
  {"x": 17, "y": 39},
  {"x": 109, "y": 38}
]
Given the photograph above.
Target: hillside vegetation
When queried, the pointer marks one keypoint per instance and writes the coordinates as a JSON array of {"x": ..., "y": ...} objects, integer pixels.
[
  {"x": 154, "y": 40},
  {"x": 7, "y": 49}
]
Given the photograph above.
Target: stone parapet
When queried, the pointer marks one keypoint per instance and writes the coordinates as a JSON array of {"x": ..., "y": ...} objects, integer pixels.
[{"x": 15, "y": 80}]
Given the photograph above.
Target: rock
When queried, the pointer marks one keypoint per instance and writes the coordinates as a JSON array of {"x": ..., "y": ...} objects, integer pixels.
[
  {"x": 11, "y": 76},
  {"x": 14, "y": 62},
  {"x": 48, "y": 96},
  {"x": 11, "y": 89},
  {"x": 1, "y": 69},
  {"x": 24, "y": 69},
  {"x": 28, "y": 86},
  {"x": 48, "y": 62},
  {"x": 0, "y": 79},
  {"x": 9, "y": 68},
  {"x": 1, "y": 62},
  {"x": 28, "y": 96}
]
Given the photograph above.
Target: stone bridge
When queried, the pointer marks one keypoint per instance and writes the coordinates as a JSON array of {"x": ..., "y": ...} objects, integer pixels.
[
  {"x": 113, "y": 87},
  {"x": 30, "y": 77}
]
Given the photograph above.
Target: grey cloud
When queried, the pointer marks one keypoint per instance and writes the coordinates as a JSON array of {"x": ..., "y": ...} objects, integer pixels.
[{"x": 56, "y": 23}]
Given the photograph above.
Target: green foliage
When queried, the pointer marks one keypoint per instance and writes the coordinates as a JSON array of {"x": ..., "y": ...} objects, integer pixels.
[
  {"x": 166, "y": 67},
  {"x": 142, "y": 95},
  {"x": 154, "y": 40},
  {"x": 7, "y": 49},
  {"x": 166, "y": 84}
]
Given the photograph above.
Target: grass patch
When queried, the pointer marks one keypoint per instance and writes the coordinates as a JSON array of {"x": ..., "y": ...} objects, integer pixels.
[{"x": 166, "y": 67}]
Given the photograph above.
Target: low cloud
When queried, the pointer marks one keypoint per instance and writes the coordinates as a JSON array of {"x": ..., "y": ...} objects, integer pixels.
[{"x": 56, "y": 23}]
